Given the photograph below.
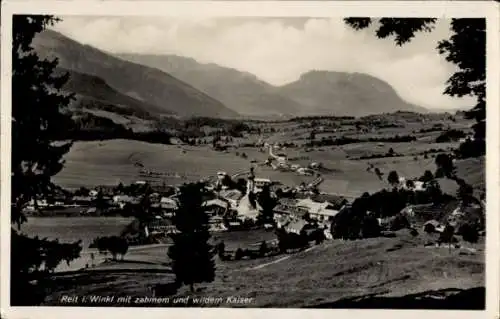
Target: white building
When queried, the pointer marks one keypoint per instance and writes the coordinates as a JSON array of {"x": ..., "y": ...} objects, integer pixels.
[
  {"x": 261, "y": 182},
  {"x": 320, "y": 211},
  {"x": 168, "y": 203}
]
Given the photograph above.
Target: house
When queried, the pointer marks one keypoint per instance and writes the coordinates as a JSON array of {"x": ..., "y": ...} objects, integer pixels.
[
  {"x": 288, "y": 208},
  {"x": 81, "y": 200},
  {"x": 160, "y": 226},
  {"x": 232, "y": 196},
  {"x": 472, "y": 213},
  {"x": 259, "y": 183},
  {"x": 319, "y": 211},
  {"x": 315, "y": 165},
  {"x": 322, "y": 206},
  {"x": 123, "y": 199},
  {"x": 40, "y": 203},
  {"x": 295, "y": 226},
  {"x": 419, "y": 214},
  {"x": 432, "y": 226},
  {"x": 168, "y": 204},
  {"x": 305, "y": 171},
  {"x": 216, "y": 206}
]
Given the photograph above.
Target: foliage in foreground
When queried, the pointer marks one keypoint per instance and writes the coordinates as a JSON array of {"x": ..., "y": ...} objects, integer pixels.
[
  {"x": 38, "y": 117},
  {"x": 191, "y": 253},
  {"x": 466, "y": 48}
]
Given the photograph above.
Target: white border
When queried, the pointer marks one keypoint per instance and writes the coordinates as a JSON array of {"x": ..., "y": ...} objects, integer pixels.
[{"x": 440, "y": 9}]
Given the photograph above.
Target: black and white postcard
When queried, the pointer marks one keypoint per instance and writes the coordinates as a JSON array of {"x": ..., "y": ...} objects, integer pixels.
[{"x": 286, "y": 155}]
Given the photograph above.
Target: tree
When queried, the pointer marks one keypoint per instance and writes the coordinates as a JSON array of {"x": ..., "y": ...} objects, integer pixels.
[
  {"x": 393, "y": 178},
  {"x": 466, "y": 48},
  {"x": 469, "y": 233},
  {"x": 370, "y": 227},
  {"x": 410, "y": 184},
  {"x": 447, "y": 235},
  {"x": 263, "y": 248},
  {"x": 38, "y": 118},
  {"x": 116, "y": 246},
  {"x": 191, "y": 253},
  {"x": 465, "y": 193},
  {"x": 445, "y": 166},
  {"x": 427, "y": 177},
  {"x": 266, "y": 215},
  {"x": 312, "y": 136},
  {"x": 221, "y": 250},
  {"x": 99, "y": 202},
  {"x": 391, "y": 152}
]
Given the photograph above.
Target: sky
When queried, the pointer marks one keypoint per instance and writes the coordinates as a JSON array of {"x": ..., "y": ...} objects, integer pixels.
[{"x": 279, "y": 50}]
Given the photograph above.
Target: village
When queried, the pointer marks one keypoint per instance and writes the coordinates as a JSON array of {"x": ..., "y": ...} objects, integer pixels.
[{"x": 235, "y": 203}]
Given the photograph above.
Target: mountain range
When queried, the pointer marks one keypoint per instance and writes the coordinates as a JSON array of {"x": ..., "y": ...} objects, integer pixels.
[
  {"x": 154, "y": 86},
  {"x": 314, "y": 93}
]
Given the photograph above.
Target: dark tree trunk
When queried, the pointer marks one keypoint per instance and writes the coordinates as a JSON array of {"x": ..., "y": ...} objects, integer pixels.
[{"x": 191, "y": 287}]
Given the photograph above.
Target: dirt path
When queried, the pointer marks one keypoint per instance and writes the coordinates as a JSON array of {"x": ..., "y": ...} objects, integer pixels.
[{"x": 278, "y": 260}]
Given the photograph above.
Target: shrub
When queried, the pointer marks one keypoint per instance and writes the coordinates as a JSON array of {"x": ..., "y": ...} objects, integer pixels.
[
  {"x": 469, "y": 233},
  {"x": 370, "y": 227},
  {"x": 238, "y": 255},
  {"x": 399, "y": 222},
  {"x": 449, "y": 136},
  {"x": 263, "y": 249},
  {"x": 429, "y": 228}
]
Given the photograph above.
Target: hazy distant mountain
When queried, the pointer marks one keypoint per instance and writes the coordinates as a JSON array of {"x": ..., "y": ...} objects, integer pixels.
[
  {"x": 315, "y": 93},
  {"x": 243, "y": 92},
  {"x": 339, "y": 93},
  {"x": 160, "y": 92}
]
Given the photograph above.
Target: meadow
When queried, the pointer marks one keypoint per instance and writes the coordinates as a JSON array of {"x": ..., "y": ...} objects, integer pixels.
[
  {"x": 327, "y": 273},
  {"x": 110, "y": 162}
]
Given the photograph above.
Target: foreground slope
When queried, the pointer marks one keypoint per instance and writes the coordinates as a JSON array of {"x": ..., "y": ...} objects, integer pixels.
[
  {"x": 150, "y": 85},
  {"x": 399, "y": 271}
]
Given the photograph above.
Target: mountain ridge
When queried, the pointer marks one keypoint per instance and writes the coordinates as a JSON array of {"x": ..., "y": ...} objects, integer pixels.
[
  {"x": 155, "y": 87},
  {"x": 297, "y": 98},
  {"x": 244, "y": 92}
]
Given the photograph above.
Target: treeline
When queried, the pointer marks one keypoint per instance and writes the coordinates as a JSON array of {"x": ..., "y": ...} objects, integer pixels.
[
  {"x": 126, "y": 111},
  {"x": 450, "y": 136},
  {"x": 349, "y": 140},
  {"x": 325, "y": 117}
]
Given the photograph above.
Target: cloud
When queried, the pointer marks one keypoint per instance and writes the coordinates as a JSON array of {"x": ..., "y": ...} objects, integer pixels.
[{"x": 279, "y": 50}]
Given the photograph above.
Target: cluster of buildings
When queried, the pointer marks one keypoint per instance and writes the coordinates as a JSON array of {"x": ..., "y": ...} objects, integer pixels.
[{"x": 280, "y": 162}]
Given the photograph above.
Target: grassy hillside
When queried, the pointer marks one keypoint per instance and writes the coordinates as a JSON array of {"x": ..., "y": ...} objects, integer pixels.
[
  {"x": 341, "y": 94},
  {"x": 324, "y": 276},
  {"x": 109, "y": 162},
  {"x": 240, "y": 91},
  {"x": 94, "y": 93},
  {"x": 146, "y": 84}
]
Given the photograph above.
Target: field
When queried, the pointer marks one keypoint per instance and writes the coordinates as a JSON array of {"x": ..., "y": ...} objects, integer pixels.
[
  {"x": 111, "y": 162},
  {"x": 108, "y": 163},
  {"x": 321, "y": 276}
]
